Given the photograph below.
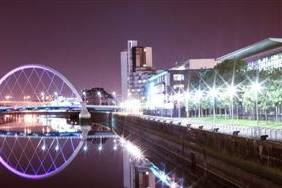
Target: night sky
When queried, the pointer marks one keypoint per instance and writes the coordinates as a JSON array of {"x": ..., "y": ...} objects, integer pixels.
[{"x": 83, "y": 38}]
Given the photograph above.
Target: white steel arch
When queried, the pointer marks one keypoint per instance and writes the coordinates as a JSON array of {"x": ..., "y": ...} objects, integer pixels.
[{"x": 46, "y": 68}]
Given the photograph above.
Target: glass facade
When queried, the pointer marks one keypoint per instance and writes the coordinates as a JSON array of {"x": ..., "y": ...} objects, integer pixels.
[{"x": 266, "y": 63}]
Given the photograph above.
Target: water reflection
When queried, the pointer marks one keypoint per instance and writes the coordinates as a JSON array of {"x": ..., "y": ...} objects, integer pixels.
[{"x": 36, "y": 147}]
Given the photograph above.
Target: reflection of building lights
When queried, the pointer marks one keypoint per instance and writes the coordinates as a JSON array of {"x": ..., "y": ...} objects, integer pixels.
[
  {"x": 161, "y": 175},
  {"x": 131, "y": 148},
  {"x": 134, "y": 150},
  {"x": 122, "y": 141},
  {"x": 173, "y": 185},
  {"x": 43, "y": 147},
  {"x": 100, "y": 147},
  {"x": 115, "y": 147},
  {"x": 85, "y": 147},
  {"x": 29, "y": 118},
  {"x": 26, "y": 97},
  {"x": 57, "y": 147}
]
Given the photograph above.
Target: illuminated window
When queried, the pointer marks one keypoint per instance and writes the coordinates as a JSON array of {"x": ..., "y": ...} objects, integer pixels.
[
  {"x": 178, "y": 86},
  {"x": 178, "y": 77}
]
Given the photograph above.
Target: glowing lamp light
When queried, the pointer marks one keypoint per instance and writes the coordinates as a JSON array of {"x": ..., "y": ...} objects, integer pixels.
[
  {"x": 132, "y": 106},
  {"x": 134, "y": 150},
  {"x": 122, "y": 141},
  {"x": 213, "y": 92},
  {"x": 173, "y": 185},
  {"x": 8, "y": 97},
  {"x": 256, "y": 87},
  {"x": 231, "y": 90},
  {"x": 199, "y": 94}
]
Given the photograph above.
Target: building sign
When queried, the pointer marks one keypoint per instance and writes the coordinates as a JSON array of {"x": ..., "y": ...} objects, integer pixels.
[{"x": 266, "y": 63}]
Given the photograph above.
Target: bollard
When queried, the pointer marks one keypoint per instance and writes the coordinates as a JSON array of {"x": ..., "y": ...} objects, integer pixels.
[
  {"x": 235, "y": 133},
  {"x": 263, "y": 137}
]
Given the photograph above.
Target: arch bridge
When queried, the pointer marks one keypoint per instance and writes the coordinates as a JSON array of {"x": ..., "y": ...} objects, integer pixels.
[{"x": 36, "y": 86}]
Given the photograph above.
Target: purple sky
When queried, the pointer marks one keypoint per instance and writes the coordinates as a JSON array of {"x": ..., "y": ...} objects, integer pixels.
[{"x": 83, "y": 39}]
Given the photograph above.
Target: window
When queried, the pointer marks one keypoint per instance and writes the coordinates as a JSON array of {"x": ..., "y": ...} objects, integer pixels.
[
  {"x": 178, "y": 86},
  {"x": 178, "y": 77}
]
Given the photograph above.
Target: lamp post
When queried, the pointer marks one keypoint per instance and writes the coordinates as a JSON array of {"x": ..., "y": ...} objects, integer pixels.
[
  {"x": 178, "y": 99},
  {"x": 256, "y": 87},
  {"x": 42, "y": 96},
  {"x": 187, "y": 102},
  {"x": 199, "y": 94},
  {"x": 232, "y": 91},
  {"x": 114, "y": 94},
  {"x": 213, "y": 92},
  {"x": 8, "y": 97},
  {"x": 99, "y": 96}
]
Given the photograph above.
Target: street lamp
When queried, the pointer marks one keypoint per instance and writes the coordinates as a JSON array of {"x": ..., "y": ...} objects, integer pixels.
[
  {"x": 100, "y": 147},
  {"x": 42, "y": 96},
  {"x": 231, "y": 90},
  {"x": 114, "y": 94},
  {"x": 199, "y": 95},
  {"x": 26, "y": 97},
  {"x": 8, "y": 97},
  {"x": 99, "y": 96},
  {"x": 178, "y": 99},
  {"x": 256, "y": 87},
  {"x": 213, "y": 92},
  {"x": 187, "y": 96}
]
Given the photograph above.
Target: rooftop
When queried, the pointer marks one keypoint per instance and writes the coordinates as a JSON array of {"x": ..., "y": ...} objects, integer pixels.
[{"x": 252, "y": 49}]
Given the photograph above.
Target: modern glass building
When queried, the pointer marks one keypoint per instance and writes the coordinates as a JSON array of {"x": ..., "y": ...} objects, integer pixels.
[{"x": 262, "y": 55}]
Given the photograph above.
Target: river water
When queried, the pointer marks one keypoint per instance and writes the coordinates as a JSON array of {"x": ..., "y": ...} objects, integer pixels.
[{"x": 50, "y": 151}]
